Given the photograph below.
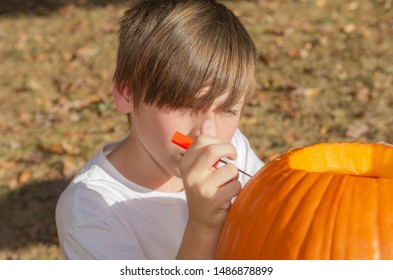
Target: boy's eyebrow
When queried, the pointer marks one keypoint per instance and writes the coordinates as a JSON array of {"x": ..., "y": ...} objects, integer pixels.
[
  {"x": 226, "y": 106},
  {"x": 239, "y": 102}
]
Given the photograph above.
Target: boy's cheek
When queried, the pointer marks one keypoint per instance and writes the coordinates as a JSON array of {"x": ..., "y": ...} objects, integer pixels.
[
  {"x": 175, "y": 156},
  {"x": 175, "y": 169}
]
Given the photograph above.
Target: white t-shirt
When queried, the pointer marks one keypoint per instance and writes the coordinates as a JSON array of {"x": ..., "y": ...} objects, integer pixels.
[{"x": 103, "y": 215}]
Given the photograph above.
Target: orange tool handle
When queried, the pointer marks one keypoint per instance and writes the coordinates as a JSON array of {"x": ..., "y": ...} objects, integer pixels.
[{"x": 182, "y": 140}]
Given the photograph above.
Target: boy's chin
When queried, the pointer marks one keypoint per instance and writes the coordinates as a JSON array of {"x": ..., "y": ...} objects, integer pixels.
[{"x": 175, "y": 172}]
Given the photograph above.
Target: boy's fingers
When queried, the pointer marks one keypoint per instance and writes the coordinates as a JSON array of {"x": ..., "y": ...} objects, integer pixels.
[
  {"x": 201, "y": 159},
  {"x": 220, "y": 178},
  {"x": 215, "y": 152},
  {"x": 213, "y": 148},
  {"x": 204, "y": 140},
  {"x": 229, "y": 191},
  {"x": 225, "y": 174}
]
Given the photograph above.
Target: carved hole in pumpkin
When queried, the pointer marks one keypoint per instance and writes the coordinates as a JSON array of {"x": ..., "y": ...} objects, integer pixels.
[{"x": 366, "y": 160}]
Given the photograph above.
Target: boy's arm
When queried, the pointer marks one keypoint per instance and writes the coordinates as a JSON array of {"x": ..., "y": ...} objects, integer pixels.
[{"x": 209, "y": 192}]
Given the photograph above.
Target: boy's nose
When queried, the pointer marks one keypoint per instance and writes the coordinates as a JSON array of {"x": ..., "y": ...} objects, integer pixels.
[{"x": 208, "y": 127}]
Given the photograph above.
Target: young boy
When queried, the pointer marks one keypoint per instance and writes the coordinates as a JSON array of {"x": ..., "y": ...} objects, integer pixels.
[{"x": 182, "y": 65}]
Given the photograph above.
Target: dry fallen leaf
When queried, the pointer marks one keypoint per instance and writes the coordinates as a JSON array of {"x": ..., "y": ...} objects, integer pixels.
[
  {"x": 86, "y": 52},
  {"x": 353, "y": 6},
  {"x": 363, "y": 94},
  {"x": 24, "y": 176},
  {"x": 349, "y": 28},
  {"x": 305, "y": 92},
  {"x": 357, "y": 129},
  {"x": 69, "y": 167},
  {"x": 321, "y": 3}
]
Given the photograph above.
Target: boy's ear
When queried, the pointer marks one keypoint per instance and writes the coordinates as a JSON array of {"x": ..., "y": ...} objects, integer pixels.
[{"x": 122, "y": 99}]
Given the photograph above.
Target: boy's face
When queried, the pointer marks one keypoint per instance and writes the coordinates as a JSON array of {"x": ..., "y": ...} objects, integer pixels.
[{"x": 155, "y": 127}]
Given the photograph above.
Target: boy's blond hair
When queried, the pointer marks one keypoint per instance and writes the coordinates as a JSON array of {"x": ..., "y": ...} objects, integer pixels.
[{"x": 171, "y": 49}]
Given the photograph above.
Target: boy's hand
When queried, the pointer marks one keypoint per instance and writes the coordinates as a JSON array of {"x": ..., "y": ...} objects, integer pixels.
[{"x": 209, "y": 190}]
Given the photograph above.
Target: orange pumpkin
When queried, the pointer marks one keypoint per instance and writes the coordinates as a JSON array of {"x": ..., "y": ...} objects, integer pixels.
[{"x": 326, "y": 201}]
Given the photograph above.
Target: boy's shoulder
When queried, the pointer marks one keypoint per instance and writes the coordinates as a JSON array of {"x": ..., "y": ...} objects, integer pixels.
[
  {"x": 95, "y": 175},
  {"x": 240, "y": 142},
  {"x": 239, "y": 137},
  {"x": 247, "y": 159}
]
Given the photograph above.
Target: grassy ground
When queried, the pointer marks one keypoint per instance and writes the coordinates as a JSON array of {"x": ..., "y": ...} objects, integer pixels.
[{"x": 325, "y": 74}]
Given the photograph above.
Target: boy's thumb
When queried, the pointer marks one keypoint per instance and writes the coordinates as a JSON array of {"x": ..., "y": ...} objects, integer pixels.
[{"x": 208, "y": 128}]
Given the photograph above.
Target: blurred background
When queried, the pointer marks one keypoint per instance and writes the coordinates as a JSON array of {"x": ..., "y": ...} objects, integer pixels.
[{"x": 325, "y": 74}]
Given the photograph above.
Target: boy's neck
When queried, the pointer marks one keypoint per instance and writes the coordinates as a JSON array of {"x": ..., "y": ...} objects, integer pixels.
[{"x": 137, "y": 168}]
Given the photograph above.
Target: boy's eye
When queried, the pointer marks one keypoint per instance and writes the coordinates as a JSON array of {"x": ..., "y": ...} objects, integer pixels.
[{"x": 229, "y": 113}]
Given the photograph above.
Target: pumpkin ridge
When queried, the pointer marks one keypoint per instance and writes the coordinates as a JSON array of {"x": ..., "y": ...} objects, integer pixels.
[
  {"x": 242, "y": 221},
  {"x": 364, "y": 211},
  {"x": 341, "y": 222},
  {"x": 259, "y": 222},
  {"x": 240, "y": 201},
  {"x": 318, "y": 210},
  {"x": 385, "y": 211},
  {"x": 369, "y": 217},
  {"x": 302, "y": 216},
  {"x": 378, "y": 219},
  {"x": 256, "y": 196},
  {"x": 275, "y": 231},
  {"x": 338, "y": 196}
]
